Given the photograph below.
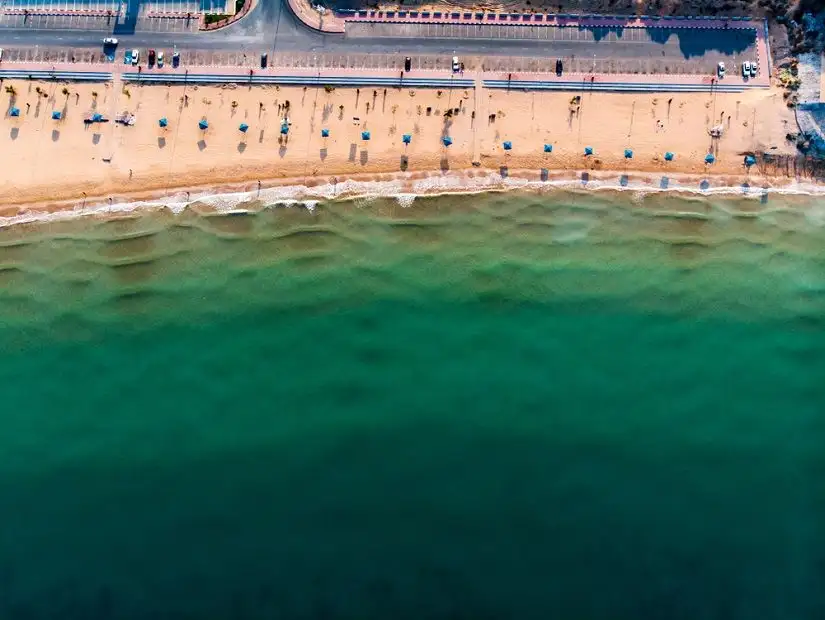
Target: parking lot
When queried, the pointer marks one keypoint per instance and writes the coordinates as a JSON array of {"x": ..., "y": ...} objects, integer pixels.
[
  {"x": 148, "y": 23},
  {"x": 628, "y": 49},
  {"x": 63, "y": 5},
  {"x": 73, "y": 22},
  {"x": 519, "y": 65},
  {"x": 53, "y": 55}
]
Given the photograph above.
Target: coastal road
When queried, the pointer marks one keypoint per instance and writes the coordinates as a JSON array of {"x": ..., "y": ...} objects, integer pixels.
[{"x": 272, "y": 27}]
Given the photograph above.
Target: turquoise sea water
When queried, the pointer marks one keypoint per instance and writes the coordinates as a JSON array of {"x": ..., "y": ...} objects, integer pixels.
[{"x": 566, "y": 405}]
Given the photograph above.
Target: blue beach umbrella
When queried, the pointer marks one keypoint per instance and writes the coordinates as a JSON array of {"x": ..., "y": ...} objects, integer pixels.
[
  {"x": 628, "y": 154},
  {"x": 14, "y": 112},
  {"x": 204, "y": 125},
  {"x": 97, "y": 118},
  {"x": 284, "y": 128},
  {"x": 56, "y": 115},
  {"x": 406, "y": 138},
  {"x": 507, "y": 145},
  {"x": 447, "y": 140},
  {"x": 588, "y": 150},
  {"x": 325, "y": 133},
  {"x": 243, "y": 127},
  {"x": 548, "y": 148},
  {"x": 365, "y": 135},
  {"x": 669, "y": 156},
  {"x": 163, "y": 122},
  {"x": 750, "y": 160},
  {"x": 709, "y": 158}
]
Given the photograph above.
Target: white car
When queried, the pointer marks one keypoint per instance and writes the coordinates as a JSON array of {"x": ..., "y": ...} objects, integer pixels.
[
  {"x": 746, "y": 69},
  {"x": 754, "y": 69},
  {"x": 720, "y": 69},
  {"x": 109, "y": 41},
  {"x": 456, "y": 65},
  {"x": 135, "y": 56},
  {"x": 160, "y": 59}
]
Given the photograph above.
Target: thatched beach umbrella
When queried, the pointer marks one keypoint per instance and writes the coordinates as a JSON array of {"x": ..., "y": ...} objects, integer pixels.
[
  {"x": 447, "y": 140},
  {"x": 669, "y": 156},
  {"x": 588, "y": 150},
  {"x": 163, "y": 123},
  {"x": 548, "y": 148},
  {"x": 709, "y": 158},
  {"x": 628, "y": 154},
  {"x": 365, "y": 135}
]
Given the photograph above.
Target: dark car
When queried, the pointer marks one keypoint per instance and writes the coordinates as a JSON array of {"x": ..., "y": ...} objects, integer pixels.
[
  {"x": 175, "y": 60},
  {"x": 264, "y": 60},
  {"x": 407, "y": 63},
  {"x": 559, "y": 67},
  {"x": 151, "y": 57}
]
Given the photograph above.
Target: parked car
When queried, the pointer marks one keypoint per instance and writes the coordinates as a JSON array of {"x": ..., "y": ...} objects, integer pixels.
[
  {"x": 754, "y": 69},
  {"x": 151, "y": 57},
  {"x": 176, "y": 60},
  {"x": 135, "y": 56},
  {"x": 160, "y": 59},
  {"x": 720, "y": 70},
  {"x": 264, "y": 60},
  {"x": 407, "y": 63},
  {"x": 559, "y": 67},
  {"x": 746, "y": 69},
  {"x": 456, "y": 65},
  {"x": 109, "y": 41}
]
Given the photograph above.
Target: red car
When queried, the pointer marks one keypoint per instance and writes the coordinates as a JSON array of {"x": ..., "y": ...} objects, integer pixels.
[{"x": 151, "y": 57}]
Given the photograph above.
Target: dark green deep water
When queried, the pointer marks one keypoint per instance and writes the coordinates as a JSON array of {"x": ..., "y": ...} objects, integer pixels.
[{"x": 501, "y": 406}]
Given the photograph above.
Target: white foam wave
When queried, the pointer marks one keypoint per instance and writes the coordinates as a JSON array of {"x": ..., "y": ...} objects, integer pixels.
[{"x": 405, "y": 190}]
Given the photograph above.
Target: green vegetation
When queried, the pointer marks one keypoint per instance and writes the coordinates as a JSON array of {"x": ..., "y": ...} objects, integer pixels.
[
  {"x": 214, "y": 18},
  {"x": 789, "y": 79}
]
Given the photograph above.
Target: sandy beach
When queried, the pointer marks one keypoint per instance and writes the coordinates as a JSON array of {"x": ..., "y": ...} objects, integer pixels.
[{"x": 46, "y": 162}]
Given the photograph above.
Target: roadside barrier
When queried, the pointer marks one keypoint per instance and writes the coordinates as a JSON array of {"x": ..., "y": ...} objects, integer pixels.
[
  {"x": 297, "y": 80},
  {"x": 626, "y": 87},
  {"x": 69, "y": 76}
]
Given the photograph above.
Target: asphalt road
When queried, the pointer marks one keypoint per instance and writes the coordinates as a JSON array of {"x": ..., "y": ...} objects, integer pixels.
[{"x": 272, "y": 27}]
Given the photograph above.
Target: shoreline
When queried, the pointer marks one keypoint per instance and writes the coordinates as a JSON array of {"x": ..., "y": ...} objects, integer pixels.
[
  {"x": 405, "y": 188},
  {"x": 343, "y": 143}
]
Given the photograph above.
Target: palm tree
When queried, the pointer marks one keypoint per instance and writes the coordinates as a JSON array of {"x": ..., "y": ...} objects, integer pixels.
[{"x": 65, "y": 91}]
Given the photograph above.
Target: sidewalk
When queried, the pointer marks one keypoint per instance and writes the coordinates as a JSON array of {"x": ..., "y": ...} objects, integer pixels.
[{"x": 328, "y": 22}]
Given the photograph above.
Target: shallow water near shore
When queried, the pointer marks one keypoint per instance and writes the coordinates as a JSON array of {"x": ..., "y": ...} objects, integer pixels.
[{"x": 504, "y": 405}]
